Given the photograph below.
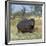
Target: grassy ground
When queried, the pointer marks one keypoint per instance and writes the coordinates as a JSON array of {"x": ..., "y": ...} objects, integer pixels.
[{"x": 37, "y": 34}]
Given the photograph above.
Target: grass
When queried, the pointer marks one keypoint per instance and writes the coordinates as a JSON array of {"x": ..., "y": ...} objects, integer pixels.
[{"x": 37, "y": 34}]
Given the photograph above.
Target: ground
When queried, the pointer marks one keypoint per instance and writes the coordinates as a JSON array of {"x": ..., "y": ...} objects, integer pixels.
[{"x": 37, "y": 34}]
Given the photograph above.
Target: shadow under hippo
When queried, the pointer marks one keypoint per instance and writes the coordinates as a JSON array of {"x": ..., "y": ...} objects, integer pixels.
[{"x": 26, "y": 25}]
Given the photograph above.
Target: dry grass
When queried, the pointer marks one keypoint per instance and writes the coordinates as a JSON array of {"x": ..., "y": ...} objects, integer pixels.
[{"x": 37, "y": 34}]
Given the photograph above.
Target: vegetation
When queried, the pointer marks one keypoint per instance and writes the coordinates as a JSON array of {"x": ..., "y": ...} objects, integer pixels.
[{"x": 37, "y": 34}]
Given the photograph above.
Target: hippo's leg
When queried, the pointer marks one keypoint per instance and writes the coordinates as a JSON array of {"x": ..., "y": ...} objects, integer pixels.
[
  {"x": 22, "y": 31},
  {"x": 19, "y": 30}
]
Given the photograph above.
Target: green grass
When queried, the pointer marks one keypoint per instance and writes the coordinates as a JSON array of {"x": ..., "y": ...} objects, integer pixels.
[{"x": 37, "y": 34}]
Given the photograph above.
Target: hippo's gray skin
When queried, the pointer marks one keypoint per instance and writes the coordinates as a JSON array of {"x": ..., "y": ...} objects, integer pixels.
[{"x": 26, "y": 25}]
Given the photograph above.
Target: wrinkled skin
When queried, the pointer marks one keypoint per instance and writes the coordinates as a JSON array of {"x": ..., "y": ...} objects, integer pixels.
[{"x": 26, "y": 25}]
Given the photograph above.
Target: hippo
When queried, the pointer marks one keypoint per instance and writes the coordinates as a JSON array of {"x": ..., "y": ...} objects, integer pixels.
[{"x": 26, "y": 25}]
